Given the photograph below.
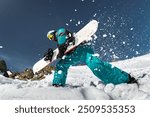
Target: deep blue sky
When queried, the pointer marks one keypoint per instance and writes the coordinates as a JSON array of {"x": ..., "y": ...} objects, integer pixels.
[{"x": 123, "y": 31}]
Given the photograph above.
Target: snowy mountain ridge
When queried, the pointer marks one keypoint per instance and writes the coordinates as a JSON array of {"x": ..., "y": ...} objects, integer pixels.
[
  {"x": 83, "y": 85},
  {"x": 136, "y": 62}
]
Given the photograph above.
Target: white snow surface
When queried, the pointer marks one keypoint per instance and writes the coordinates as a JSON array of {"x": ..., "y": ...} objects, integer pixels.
[{"x": 82, "y": 85}]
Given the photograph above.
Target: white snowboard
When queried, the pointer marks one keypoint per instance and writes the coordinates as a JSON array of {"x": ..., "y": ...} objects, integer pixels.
[{"x": 85, "y": 34}]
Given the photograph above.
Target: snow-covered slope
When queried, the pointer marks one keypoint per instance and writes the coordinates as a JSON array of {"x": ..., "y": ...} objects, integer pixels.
[{"x": 79, "y": 85}]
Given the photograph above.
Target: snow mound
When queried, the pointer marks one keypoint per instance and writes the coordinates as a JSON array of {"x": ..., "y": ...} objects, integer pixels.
[{"x": 83, "y": 85}]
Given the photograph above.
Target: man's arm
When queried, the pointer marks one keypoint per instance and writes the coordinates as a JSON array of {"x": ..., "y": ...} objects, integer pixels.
[{"x": 63, "y": 47}]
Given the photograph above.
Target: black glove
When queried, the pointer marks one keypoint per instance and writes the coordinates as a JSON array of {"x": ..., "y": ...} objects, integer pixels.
[
  {"x": 70, "y": 40},
  {"x": 62, "y": 48},
  {"x": 48, "y": 55}
]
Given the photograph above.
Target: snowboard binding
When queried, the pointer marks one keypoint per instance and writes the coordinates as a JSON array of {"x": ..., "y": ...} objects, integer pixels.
[{"x": 48, "y": 55}]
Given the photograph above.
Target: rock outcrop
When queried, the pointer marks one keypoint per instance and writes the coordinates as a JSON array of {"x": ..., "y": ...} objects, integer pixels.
[
  {"x": 3, "y": 68},
  {"x": 29, "y": 75}
]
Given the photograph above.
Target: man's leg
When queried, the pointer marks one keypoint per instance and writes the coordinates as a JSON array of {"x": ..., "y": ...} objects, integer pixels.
[
  {"x": 63, "y": 65},
  {"x": 60, "y": 73},
  {"x": 105, "y": 71}
]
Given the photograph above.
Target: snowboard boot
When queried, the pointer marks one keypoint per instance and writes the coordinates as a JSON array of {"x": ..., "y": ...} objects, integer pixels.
[
  {"x": 132, "y": 80},
  {"x": 57, "y": 85}
]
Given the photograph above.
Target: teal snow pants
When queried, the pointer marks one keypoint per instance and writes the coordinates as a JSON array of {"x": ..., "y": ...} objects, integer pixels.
[{"x": 103, "y": 70}]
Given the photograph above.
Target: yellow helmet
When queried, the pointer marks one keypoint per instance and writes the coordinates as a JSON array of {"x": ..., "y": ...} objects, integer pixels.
[{"x": 51, "y": 35}]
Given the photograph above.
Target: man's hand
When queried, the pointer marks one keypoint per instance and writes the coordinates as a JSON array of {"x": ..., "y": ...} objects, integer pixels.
[
  {"x": 62, "y": 48},
  {"x": 71, "y": 40}
]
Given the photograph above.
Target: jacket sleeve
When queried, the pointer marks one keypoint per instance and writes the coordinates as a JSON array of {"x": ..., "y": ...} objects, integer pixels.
[{"x": 63, "y": 47}]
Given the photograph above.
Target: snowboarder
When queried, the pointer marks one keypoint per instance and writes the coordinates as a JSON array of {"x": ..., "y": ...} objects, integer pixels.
[{"x": 83, "y": 53}]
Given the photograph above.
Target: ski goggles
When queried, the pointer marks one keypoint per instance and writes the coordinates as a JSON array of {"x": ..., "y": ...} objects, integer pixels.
[{"x": 50, "y": 37}]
